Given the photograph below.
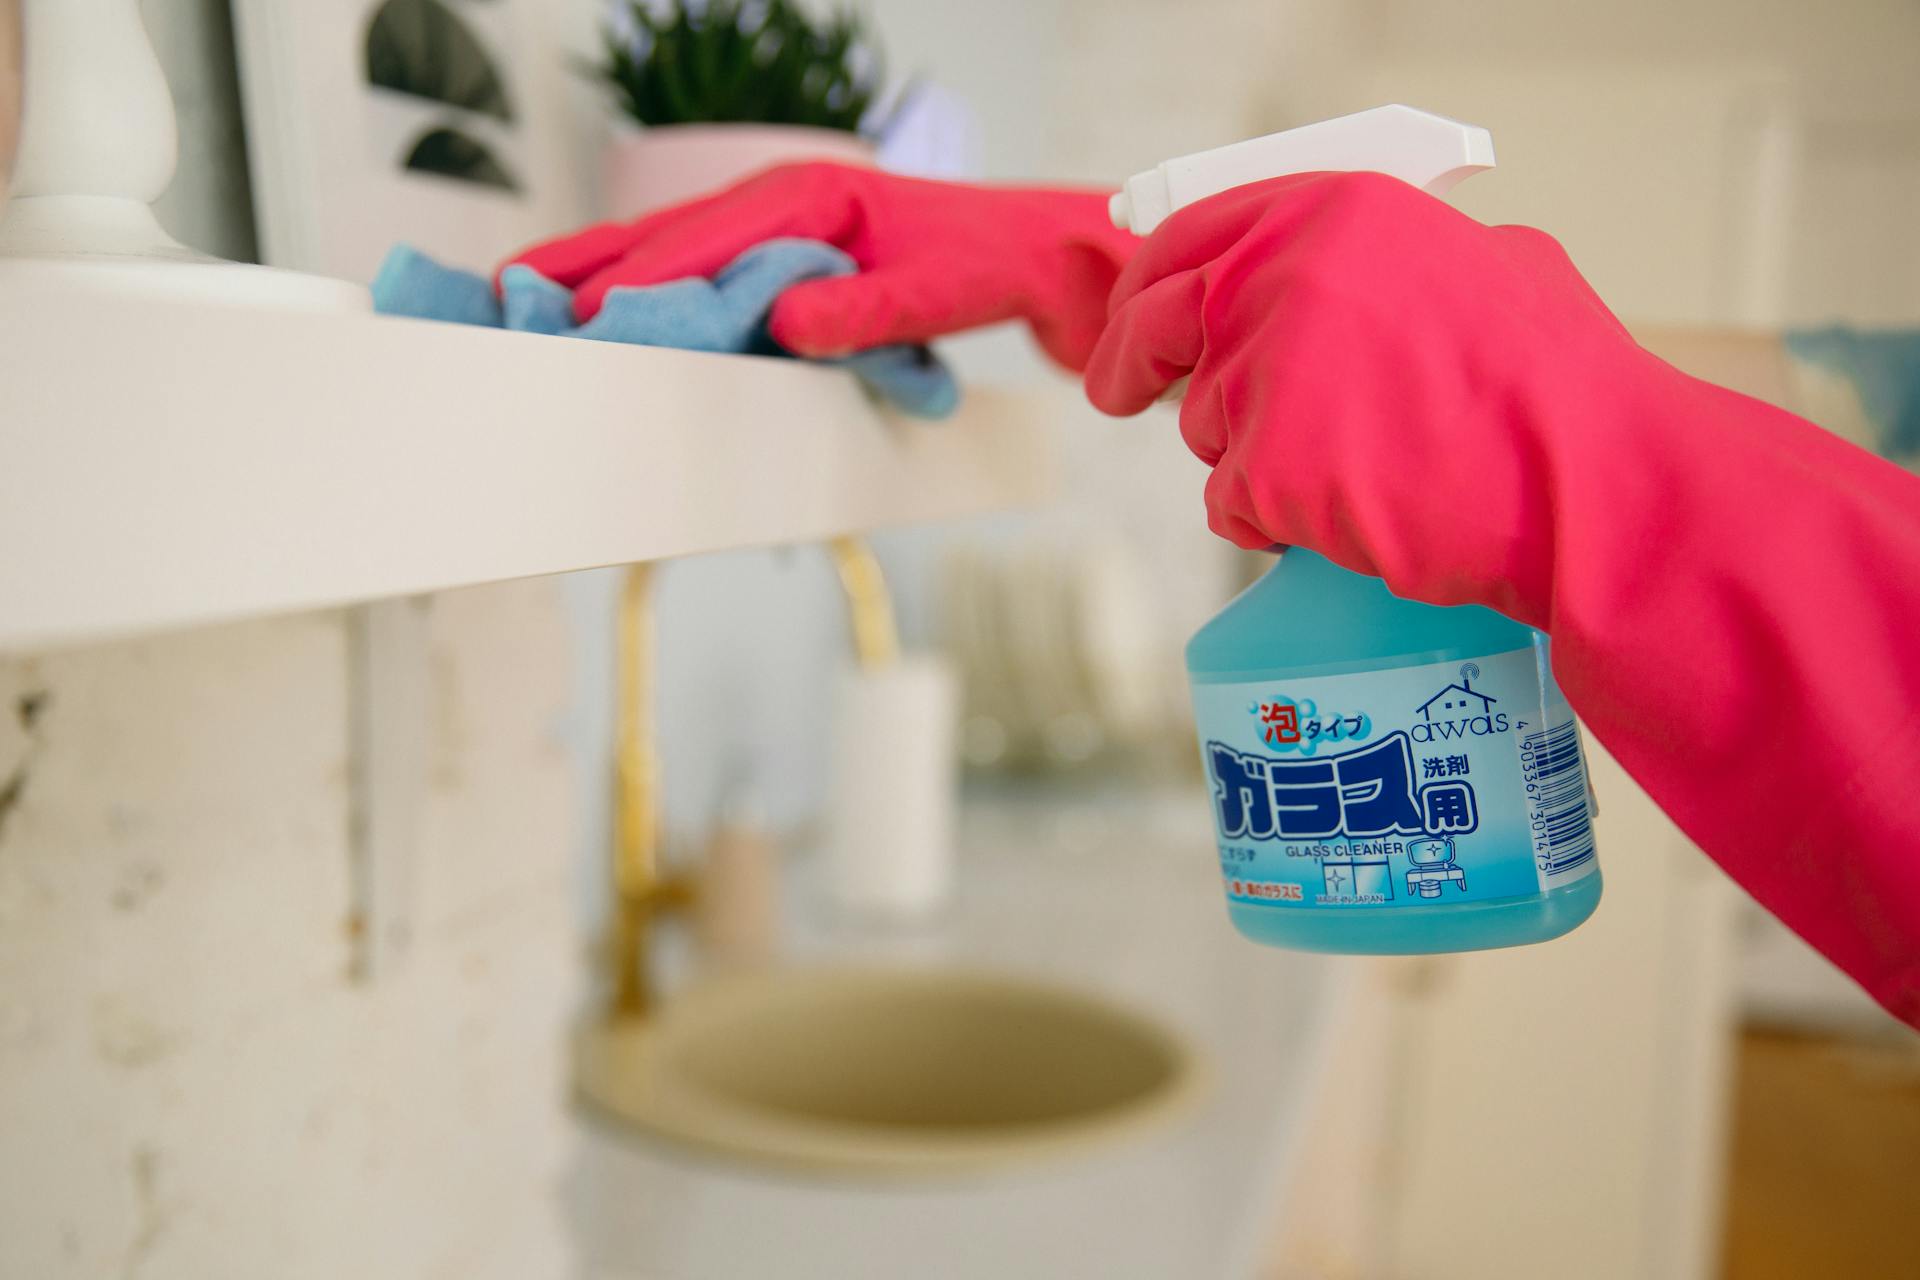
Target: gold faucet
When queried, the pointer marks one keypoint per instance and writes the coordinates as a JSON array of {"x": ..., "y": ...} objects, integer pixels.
[
  {"x": 876, "y": 640},
  {"x": 644, "y": 892}
]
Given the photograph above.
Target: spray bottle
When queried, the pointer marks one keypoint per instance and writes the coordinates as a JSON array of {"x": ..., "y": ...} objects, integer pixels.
[{"x": 1388, "y": 777}]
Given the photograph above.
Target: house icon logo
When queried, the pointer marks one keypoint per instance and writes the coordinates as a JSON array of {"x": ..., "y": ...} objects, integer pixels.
[
  {"x": 1459, "y": 710},
  {"x": 1458, "y": 700}
]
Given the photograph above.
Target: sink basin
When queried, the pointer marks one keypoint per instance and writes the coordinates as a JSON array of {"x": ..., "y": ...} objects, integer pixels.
[{"x": 887, "y": 1071}]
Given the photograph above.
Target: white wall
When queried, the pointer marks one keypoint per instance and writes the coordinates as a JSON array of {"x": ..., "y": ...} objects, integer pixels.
[
  {"x": 1655, "y": 126},
  {"x": 190, "y": 1084}
]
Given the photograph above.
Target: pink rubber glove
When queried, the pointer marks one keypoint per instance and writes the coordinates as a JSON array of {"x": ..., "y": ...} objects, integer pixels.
[
  {"x": 1733, "y": 593},
  {"x": 935, "y": 257}
]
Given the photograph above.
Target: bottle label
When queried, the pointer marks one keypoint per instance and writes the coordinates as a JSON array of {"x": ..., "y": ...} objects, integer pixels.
[{"x": 1405, "y": 786}]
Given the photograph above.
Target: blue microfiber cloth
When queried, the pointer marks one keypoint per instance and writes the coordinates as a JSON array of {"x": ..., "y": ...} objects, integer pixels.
[
  {"x": 727, "y": 313},
  {"x": 1884, "y": 367}
]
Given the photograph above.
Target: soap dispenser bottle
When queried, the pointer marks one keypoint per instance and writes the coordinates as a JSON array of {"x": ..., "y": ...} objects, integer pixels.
[{"x": 1387, "y": 777}]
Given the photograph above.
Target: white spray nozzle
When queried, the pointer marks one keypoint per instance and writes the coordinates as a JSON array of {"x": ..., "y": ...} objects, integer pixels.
[{"x": 1429, "y": 151}]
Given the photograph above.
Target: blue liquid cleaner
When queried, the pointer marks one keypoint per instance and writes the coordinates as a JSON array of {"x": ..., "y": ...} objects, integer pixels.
[{"x": 1389, "y": 777}]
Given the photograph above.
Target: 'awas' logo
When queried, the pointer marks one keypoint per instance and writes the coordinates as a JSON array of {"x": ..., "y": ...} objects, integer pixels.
[{"x": 1459, "y": 711}]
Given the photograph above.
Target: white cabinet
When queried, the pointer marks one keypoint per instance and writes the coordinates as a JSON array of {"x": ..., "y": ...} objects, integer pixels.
[{"x": 1546, "y": 1110}]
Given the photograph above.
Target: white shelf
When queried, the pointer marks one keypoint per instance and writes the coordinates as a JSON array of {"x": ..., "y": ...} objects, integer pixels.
[{"x": 166, "y": 464}]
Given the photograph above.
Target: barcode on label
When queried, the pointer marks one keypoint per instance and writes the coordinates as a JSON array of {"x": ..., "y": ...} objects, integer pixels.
[{"x": 1557, "y": 796}]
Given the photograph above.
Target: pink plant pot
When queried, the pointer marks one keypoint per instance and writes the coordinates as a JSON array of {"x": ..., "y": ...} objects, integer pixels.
[{"x": 645, "y": 169}]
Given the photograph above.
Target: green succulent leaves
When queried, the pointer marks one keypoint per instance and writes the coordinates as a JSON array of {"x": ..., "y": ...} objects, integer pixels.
[{"x": 755, "y": 61}]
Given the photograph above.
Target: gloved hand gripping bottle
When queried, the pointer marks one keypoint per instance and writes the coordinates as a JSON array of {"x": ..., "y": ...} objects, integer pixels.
[{"x": 1388, "y": 777}]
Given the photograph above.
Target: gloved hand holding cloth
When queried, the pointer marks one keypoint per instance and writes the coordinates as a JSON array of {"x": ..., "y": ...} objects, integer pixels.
[{"x": 934, "y": 257}]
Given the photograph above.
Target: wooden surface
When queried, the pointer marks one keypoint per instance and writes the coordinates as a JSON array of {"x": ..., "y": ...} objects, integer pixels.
[
  {"x": 1824, "y": 1176},
  {"x": 171, "y": 463}
]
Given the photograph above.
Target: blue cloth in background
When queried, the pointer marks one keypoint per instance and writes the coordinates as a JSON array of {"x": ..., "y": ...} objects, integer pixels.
[
  {"x": 727, "y": 313},
  {"x": 1884, "y": 367}
]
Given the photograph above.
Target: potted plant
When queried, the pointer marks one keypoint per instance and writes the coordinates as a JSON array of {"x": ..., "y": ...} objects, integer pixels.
[{"x": 721, "y": 88}]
